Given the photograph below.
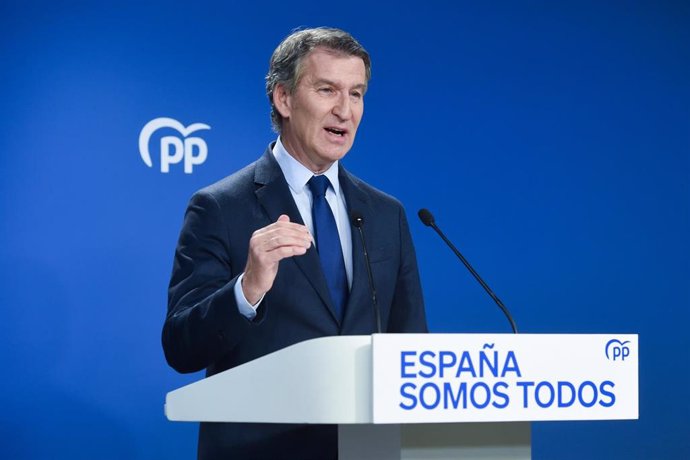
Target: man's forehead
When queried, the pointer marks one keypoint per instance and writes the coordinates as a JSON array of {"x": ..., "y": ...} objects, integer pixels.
[{"x": 332, "y": 66}]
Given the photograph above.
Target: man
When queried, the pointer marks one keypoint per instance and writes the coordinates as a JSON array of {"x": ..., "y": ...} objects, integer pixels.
[{"x": 267, "y": 257}]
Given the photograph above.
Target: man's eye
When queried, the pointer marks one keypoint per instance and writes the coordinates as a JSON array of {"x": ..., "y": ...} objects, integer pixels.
[
  {"x": 326, "y": 90},
  {"x": 356, "y": 95}
]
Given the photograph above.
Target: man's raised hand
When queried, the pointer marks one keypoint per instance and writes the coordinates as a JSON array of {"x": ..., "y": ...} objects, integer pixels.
[{"x": 267, "y": 247}]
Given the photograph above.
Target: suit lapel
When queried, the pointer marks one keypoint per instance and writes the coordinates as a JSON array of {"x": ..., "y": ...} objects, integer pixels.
[
  {"x": 359, "y": 304},
  {"x": 273, "y": 193}
]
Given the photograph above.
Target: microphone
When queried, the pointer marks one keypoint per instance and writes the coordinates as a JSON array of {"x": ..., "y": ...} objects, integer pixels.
[
  {"x": 358, "y": 222},
  {"x": 428, "y": 219}
]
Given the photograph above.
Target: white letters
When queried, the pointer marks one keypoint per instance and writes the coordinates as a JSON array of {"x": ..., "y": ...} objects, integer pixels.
[{"x": 173, "y": 148}]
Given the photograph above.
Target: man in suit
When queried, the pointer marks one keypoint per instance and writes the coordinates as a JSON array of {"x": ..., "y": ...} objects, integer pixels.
[{"x": 267, "y": 257}]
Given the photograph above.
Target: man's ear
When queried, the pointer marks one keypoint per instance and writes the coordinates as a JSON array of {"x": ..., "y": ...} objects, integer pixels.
[{"x": 281, "y": 100}]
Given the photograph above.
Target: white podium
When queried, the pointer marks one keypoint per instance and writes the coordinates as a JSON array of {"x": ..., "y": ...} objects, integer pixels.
[{"x": 426, "y": 396}]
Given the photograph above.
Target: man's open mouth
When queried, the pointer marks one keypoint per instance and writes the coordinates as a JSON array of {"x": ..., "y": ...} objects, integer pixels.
[{"x": 336, "y": 131}]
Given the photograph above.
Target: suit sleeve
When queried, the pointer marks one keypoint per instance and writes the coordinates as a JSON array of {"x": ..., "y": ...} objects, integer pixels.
[
  {"x": 203, "y": 322},
  {"x": 407, "y": 312}
]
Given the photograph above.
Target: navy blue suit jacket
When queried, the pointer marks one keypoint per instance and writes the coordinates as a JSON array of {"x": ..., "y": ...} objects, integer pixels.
[{"x": 204, "y": 329}]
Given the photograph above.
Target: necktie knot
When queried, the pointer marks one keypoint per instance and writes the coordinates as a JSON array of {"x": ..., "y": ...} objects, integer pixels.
[{"x": 318, "y": 185}]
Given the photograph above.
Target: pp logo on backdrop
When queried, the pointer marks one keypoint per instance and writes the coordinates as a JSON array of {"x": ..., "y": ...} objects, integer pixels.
[
  {"x": 174, "y": 149},
  {"x": 617, "y": 350}
]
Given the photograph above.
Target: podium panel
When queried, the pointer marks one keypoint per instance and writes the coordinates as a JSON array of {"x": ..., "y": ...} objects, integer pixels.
[
  {"x": 434, "y": 396},
  {"x": 434, "y": 378}
]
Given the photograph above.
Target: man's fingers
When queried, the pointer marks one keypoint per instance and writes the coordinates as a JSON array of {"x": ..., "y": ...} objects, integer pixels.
[
  {"x": 282, "y": 233},
  {"x": 270, "y": 258},
  {"x": 286, "y": 241},
  {"x": 283, "y": 252},
  {"x": 283, "y": 225},
  {"x": 277, "y": 241},
  {"x": 280, "y": 240}
]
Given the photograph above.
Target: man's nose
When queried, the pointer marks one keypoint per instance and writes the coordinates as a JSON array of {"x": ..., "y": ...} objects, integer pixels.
[{"x": 342, "y": 108}]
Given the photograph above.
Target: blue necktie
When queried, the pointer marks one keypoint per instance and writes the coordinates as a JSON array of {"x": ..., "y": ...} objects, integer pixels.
[{"x": 328, "y": 244}]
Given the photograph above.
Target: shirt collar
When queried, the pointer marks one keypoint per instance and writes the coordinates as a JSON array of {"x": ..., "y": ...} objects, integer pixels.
[{"x": 297, "y": 175}]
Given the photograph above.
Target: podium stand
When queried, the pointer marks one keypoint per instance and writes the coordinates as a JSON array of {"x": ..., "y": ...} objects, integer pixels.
[{"x": 425, "y": 395}]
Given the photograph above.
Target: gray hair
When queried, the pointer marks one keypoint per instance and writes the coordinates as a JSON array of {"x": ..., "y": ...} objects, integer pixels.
[{"x": 286, "y": 62}]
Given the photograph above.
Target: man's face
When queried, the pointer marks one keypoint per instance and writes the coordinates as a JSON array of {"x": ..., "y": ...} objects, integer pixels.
[{"x": 320, "y": 118}]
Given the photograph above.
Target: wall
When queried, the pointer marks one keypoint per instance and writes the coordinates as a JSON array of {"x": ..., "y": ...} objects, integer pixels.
[{"x": 550, "y": 139}]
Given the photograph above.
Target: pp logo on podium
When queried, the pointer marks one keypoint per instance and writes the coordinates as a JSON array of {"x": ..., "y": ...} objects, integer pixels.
[
  {"x": 617, "y": 350},
  {"x": 174, "y": 149}
]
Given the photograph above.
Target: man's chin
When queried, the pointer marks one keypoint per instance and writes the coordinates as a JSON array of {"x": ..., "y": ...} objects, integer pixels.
[
  {"x": 337, "y": 156},
  {"x": 335, "y": 153}
]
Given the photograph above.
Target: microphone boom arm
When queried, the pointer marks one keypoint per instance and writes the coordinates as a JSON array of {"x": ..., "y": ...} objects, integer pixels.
[{"x": 428, "y": 220}]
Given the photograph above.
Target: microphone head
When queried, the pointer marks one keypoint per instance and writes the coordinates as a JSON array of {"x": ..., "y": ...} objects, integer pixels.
[
  {"x": 426, "y": 217},
  {"x": 357, "y": 218}
]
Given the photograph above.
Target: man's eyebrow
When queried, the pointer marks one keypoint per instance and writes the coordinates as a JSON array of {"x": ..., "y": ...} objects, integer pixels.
[{"x": 325, "y": 81}]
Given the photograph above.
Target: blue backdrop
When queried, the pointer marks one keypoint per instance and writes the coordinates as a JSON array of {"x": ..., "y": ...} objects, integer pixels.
[{"x": 550, "y": 139}]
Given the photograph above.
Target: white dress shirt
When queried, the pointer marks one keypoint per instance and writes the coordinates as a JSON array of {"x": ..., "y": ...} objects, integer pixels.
[{"x": 297, "y": 177}]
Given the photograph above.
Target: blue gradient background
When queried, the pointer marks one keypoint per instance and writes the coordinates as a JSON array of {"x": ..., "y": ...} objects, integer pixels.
[{"x": 550, "y": 139}]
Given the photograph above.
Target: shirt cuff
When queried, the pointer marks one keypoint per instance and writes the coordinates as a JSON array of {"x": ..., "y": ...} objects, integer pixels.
[{"x": 246, "y": 309}]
